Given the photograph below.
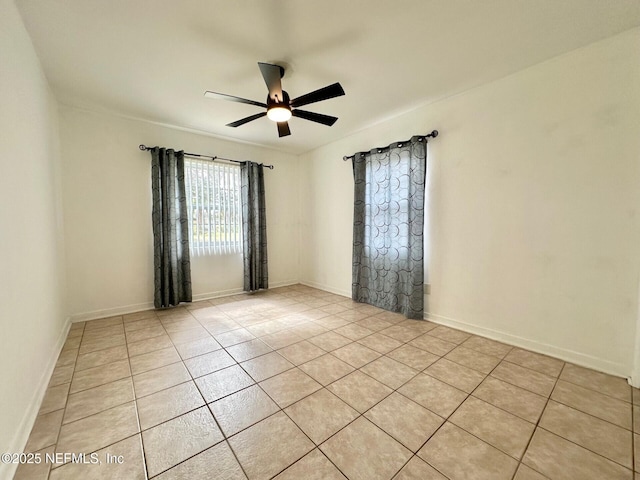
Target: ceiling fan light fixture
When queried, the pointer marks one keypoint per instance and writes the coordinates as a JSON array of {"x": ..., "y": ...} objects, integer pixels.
[{"x": 279, "y": 113}]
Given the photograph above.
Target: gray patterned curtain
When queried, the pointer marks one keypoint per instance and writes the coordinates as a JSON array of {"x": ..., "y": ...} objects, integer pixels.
[
  {"x": 171, "y": 260},
  {"x": 254, "y": 227},
  {"x": 388, "y": 238}
]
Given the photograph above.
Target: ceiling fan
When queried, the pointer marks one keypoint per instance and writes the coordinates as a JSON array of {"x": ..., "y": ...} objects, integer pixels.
[{"x": 279, "y": 107}]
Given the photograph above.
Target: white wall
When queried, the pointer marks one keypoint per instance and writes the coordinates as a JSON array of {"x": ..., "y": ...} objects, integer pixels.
[
  {"x": 533, "y": 205},
  {"x": 32, "y": 312},
  {"x": 107, "y": 205}
]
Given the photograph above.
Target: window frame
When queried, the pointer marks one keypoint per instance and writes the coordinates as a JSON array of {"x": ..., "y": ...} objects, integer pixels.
[{"x": 213, "y": 189}]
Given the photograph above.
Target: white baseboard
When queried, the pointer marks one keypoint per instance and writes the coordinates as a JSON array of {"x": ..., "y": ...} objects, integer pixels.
[
  {"x": 222, "y": 293},
  {"x": 236, "y": 291},
  {"x": 584, "y": 360},
  {"x": 286, "y": 283},
  {"x": 111, "y": 312},
  {"x": 22, "y": 435},
  {"x": 139, "y": 307},
  {"x": 326, "y": 288}
]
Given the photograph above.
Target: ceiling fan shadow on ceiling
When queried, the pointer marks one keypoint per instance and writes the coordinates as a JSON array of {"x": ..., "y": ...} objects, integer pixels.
[{"x": 279, "y": 107}]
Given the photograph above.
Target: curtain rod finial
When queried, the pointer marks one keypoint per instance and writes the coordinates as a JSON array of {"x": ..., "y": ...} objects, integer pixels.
[
  {"x": 142, "y": 147},
  {"x": 434, "y": 133}
]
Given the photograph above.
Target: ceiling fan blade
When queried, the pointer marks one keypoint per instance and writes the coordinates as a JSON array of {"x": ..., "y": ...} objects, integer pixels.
[
  {"x": 242, "y": 121},
  {"x": 272, "y": 75},
  {"x": 325, "y": 93},
  {"x": 283, "y": 129},
  {"x": 224, "y": 96},
  {"x": 315, "y": 117}
]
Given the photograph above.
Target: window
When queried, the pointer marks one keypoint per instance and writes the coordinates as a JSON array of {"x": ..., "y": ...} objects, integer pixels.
[
  {"x": 387, "y": 209},
  {"x": 388, "y": 228},
  {"x": 213, "y": 202}
]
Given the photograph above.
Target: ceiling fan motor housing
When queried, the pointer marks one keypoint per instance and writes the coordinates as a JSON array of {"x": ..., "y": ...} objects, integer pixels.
[{"x": 283, "y": 103}]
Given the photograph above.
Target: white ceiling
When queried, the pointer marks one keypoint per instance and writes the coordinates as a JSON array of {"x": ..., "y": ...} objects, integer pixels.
[{"x": 153, "y": 59}]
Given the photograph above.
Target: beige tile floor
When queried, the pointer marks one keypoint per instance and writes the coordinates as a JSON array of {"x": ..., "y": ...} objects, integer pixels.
[{"x": 297, "y": 383}]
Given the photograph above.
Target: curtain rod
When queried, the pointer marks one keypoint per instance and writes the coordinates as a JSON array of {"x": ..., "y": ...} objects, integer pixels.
[
  {"x": 212, "y": 158},
  {"x": 433, "y": 134}
]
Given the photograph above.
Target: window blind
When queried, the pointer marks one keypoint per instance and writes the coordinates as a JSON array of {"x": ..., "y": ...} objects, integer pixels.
[{"x": 215, "y": 213}]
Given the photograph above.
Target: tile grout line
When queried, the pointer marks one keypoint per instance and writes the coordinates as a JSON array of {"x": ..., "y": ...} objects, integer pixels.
[
  {"x": 283, "y": 410},
  {"x": 315, "y": 446},
  {"x": 592, "y": 415},
  {"x": 55, "y": 446},
  {"x": 633, "y": 436},
  {"x": 280, "y": 409},
  {"x": 381, "y": 355},
  {"x": 408, "y": 342},
  {"x": 145, "y": 470},
  {"x": 102, "y": 447},
  {"x": 470, "y": 433},
  {"x": 206, "y": 405},
  {"x": 368, "y": 409},
  {"x": 584, "y": 448},
  {"x": 303, "y": 338},
  {"x": 526, "y": 449},
  {"x": 359, "y": 414},
  {"x": 167, "y": 388},
  {"x": 297, "y": 426}
]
